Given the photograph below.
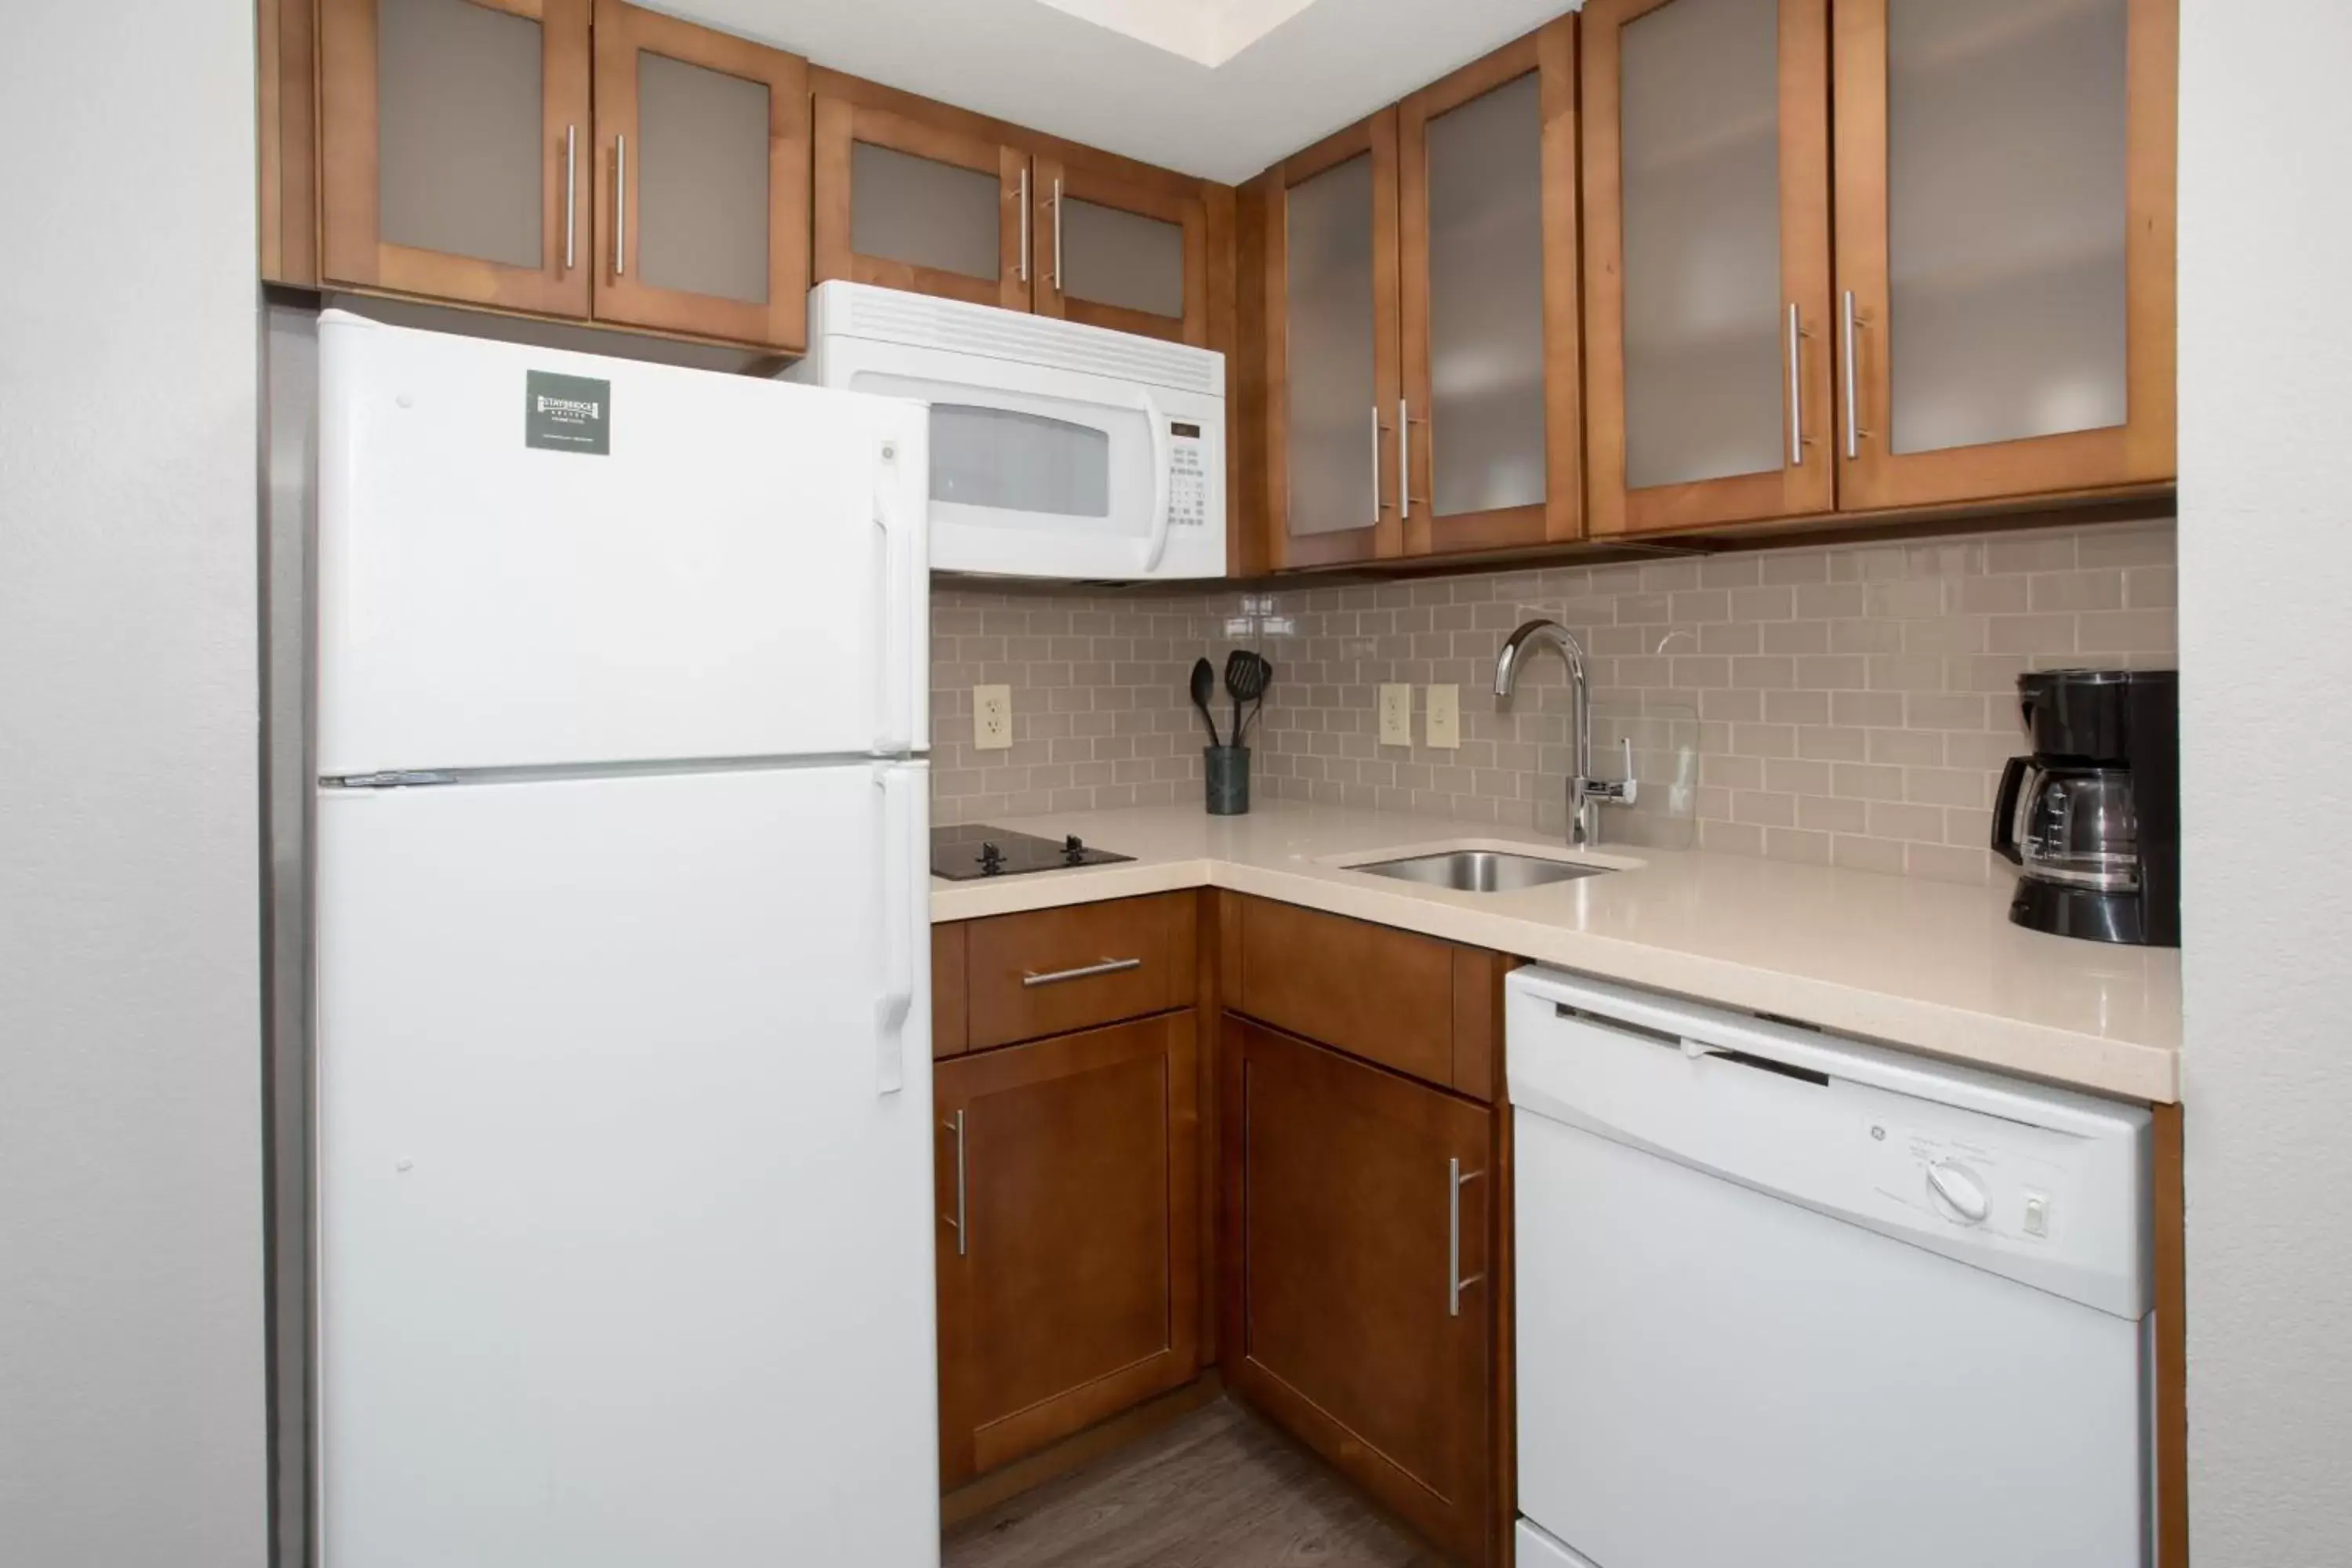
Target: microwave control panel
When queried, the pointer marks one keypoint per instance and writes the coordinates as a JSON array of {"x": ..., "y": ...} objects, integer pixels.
[{"x": 1188, "y": 482}]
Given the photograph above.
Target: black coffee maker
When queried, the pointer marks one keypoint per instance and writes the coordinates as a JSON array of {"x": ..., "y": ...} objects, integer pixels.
[{"x": 2094, "y": 815}]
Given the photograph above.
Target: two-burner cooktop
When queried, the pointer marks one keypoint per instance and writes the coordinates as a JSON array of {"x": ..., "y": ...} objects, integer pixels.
[{"x": 974, "y": 849}]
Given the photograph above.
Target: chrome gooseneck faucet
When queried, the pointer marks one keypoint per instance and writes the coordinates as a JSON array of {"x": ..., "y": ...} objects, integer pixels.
[{"x": 1584, "y": 791}]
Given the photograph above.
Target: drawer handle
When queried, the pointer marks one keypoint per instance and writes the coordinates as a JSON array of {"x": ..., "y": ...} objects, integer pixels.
[{"x": 1108, "y": 967}]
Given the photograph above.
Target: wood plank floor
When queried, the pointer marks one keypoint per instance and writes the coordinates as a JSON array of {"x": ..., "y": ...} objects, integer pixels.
[{"x": 1218, "y": 1489}]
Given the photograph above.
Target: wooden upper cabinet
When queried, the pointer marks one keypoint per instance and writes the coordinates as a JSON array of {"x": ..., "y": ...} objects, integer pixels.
[
  {"x": 1362, "y": 1305},
  {"x": 1334, "y": 361},
  {"x": 2005, "y": 245},
  {"x": 1119, "y": 253},
  {"x": 1068, "y": 1179},
  {"x": 702, "y": 154},
  {"x": 454, "y": 147},
  {"x": 1487, "y": 172},
  {"x": 1708, "y": 297},
  {"x": 911, "y": 201}
]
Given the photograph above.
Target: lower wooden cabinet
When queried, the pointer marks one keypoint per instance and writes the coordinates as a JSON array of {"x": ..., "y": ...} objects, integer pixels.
[
  {"x": 1069, "y": 1250},
  {"x": 1363, "y": 1315}
]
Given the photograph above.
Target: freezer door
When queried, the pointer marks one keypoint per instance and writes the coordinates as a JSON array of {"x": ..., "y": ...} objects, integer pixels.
[
  {"x": 528, "y": 558},
  {"x": 624, "y": 1174}
]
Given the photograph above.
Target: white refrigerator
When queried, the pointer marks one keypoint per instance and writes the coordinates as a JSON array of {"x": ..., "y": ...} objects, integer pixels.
[{"x": 622, "y": 1161}]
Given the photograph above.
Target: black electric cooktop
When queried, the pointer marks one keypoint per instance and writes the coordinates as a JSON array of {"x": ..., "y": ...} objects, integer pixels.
[{"x": 974, "y": 849}]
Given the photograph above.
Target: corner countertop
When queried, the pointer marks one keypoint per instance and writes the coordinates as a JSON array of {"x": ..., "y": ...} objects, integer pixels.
[{"x": 1927, "y": 967}]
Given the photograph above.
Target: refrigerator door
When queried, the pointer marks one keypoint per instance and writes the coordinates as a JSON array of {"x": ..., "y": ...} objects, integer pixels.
[
  {"x": 624, "y": 1179},
  {"x": 532, "y": 558}
]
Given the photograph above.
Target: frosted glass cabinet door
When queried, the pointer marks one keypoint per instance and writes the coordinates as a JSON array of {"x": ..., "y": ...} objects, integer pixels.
[
  {"x": 1120, "y": 253},
  {"x": 2004, "y": 239},
  {"x": 1486, "y": 197},
  {"x": 453, "y": 149},
  {"x": 1332, "y": 351},
  {"x": 918, "y": 204},
  {"x": 702, "y": 147},
  {"x": 1707, "y": 261}
]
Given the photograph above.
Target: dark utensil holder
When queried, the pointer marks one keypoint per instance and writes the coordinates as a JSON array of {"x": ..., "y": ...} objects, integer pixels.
[{"x": 1226, "y": 769}]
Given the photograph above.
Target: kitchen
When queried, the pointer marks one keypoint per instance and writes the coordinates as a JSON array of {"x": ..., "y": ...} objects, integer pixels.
[{"x": 1290, "y": 1119}]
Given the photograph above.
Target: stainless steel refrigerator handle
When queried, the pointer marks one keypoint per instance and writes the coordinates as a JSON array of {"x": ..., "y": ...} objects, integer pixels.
[
  {"x": 1455, "y": 1283},
  {"x": 571, "y": 189},
  {"x": 1108, "y": 967},
  {"x": 1852, "y": 415},
  {"x": 620, "y": 206},
  {"x": 1796, "y": 391},
  {"x": 956, "y": 1127}
]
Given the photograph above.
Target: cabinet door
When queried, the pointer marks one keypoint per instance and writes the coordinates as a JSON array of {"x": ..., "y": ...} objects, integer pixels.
[
  {"x": 1118, "y": 253},
  {"x": 454, "y": 147},
  {"x": 1069, "y": 1284},
  {"x": 1365, "y": 1317},
  {"x": 702, "y": 201},
  {"x": 1707, "y": 261},
  {"x": 1332, "y": 354},
  {"x": 1486, "y": 207},
  {"x": 911, "y": 203},
  {"x": 2004, "y": 246}
]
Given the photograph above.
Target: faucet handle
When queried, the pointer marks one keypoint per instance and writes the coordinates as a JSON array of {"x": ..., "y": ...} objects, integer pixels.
[{"x": 1622, "y": 791}]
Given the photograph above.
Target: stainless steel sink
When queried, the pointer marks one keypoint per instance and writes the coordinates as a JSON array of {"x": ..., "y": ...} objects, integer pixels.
[{"x": 1480, "y": 871}]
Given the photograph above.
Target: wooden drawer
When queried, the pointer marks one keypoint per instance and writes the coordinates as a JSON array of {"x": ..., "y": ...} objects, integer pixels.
[
  {"x": 1049, "y": 972},
  {"x": 1409, "y": 1002}
]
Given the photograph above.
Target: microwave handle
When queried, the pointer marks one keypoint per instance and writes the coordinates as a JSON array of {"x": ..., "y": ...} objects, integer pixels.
[{"x": 1162, "y": 454}]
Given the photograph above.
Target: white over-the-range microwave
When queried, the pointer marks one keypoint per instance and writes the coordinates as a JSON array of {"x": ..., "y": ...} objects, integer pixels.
[{"x": 1058, "y": 450}]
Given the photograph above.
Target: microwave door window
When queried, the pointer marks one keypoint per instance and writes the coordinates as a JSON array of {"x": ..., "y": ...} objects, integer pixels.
[
  {"x": 1004, "y": 460},
  {"x": 1014, "y": 459}
]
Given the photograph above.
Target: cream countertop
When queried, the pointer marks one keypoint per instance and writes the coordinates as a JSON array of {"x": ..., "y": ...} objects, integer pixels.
[{"x": 1929, "y": 966}]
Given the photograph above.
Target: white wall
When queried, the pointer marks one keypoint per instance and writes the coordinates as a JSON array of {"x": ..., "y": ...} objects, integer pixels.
[
  {"x": 2266, "y": 662},
  {"x": 132, "y": 1399}
]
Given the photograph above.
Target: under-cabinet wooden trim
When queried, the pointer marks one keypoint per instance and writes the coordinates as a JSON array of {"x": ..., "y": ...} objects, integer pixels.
[
  {"x": 1614, "y": 508},
  {"x": 623, "y": 32},
  {"x": 2140, "y": 449},
  {"x": 353, "y": 250}
]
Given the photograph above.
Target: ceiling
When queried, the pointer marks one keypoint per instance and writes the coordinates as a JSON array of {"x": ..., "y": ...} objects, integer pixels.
[{"x": 1129, "y": 75}]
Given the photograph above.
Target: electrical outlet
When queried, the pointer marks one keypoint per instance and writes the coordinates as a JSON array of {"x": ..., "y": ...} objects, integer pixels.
[
  {"x": 1443, "y": 719},
  {"x": 992, "y": 717},
  {"x": 1396, "y": 715}
]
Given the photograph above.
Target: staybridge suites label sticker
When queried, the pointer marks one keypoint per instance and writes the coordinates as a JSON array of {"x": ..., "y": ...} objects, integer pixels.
[{"x": 568, "y": 413}]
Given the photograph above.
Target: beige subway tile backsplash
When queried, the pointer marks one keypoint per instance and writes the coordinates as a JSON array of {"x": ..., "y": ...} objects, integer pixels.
[{"x": 1850, "y": 704}]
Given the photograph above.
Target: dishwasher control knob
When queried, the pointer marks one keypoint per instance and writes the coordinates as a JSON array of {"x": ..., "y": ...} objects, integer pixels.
[{"x": 1957, "y": 1193}]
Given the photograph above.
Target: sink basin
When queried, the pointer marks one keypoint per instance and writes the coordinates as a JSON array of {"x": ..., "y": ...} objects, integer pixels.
[{"x": 1480, "y": 871}]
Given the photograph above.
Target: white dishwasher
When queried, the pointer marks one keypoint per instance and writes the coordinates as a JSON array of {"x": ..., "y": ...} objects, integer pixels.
[{"x": 1787, "y": 1301}]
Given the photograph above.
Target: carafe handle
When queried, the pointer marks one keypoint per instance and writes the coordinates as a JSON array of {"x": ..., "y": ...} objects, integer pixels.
[{"x": 2004, "y": 809}]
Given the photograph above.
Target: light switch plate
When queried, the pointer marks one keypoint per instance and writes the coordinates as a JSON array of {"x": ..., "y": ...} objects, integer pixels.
[
  {"x": 992, "y": 717},
  {"x": 1396, "y": 715},
  {"x": 1443, "y": 722}
]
